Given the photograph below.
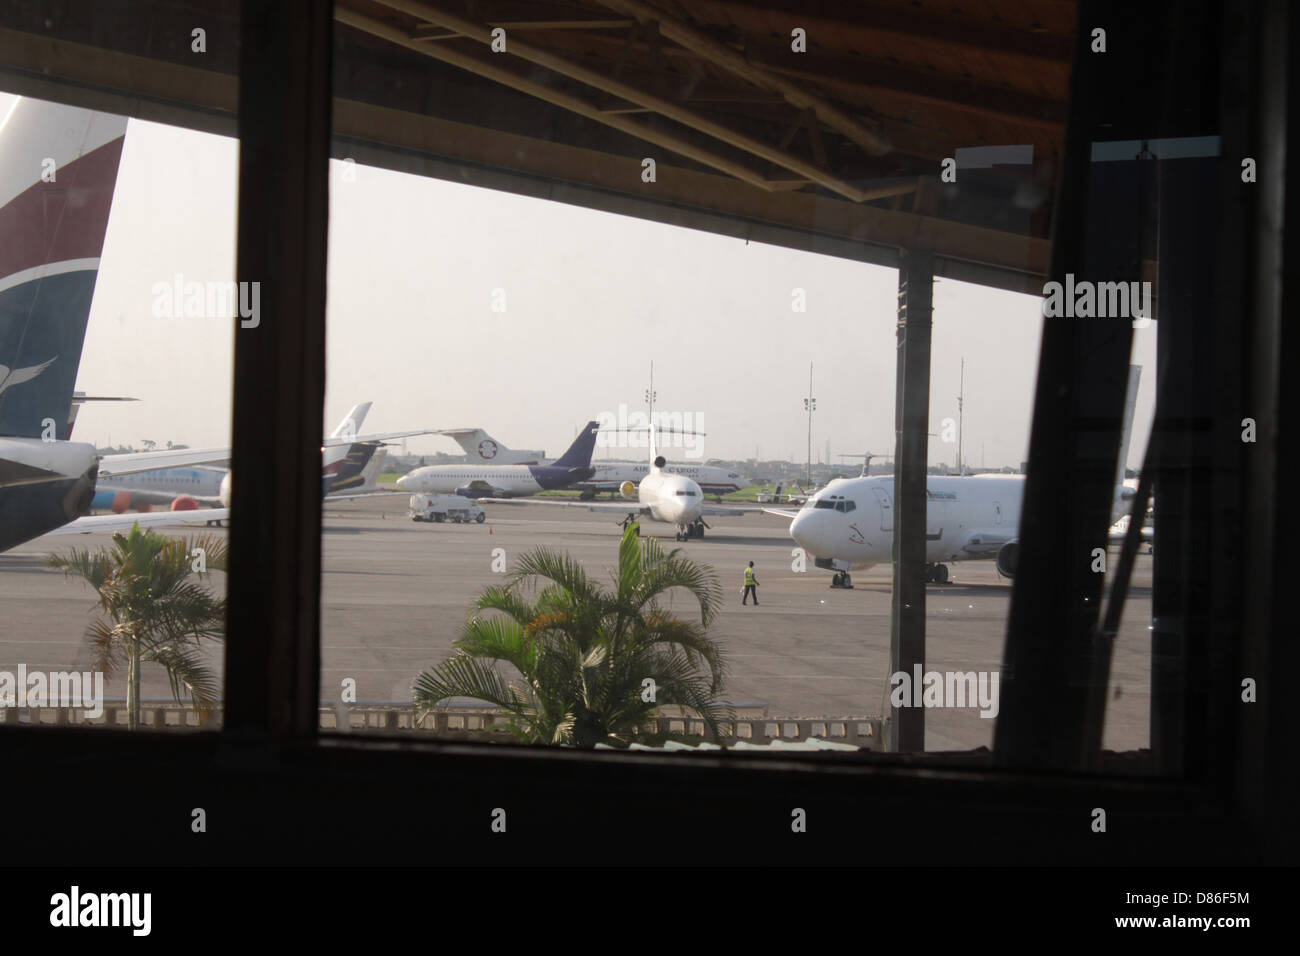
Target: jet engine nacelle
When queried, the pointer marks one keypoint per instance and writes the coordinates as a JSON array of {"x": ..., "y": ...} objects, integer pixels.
[
  {"x": 184, "y": 503},
  {"x": 121, "y": 502},
  {"x": 1008, "y": 558},
  {"x": 627, "y": 489}
]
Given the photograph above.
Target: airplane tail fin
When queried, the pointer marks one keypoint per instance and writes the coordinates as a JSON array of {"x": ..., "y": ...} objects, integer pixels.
[
  {"x": 482, "y": 449},
  {"x": 53, "y": 217},
  {"x": 348, "y": 473},
  {"x": 351, "y": 424},
  {"x": 579, "y": 453}
]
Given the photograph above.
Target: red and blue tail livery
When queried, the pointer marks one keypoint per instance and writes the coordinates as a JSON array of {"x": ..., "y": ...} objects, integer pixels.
[{"x": 58, "y": 169}]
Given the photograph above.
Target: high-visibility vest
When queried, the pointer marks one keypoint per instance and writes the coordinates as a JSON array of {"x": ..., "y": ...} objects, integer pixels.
[{"x": 749, "y": 576}]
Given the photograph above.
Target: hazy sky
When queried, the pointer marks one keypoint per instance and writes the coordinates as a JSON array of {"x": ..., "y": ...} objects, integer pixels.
[{"x": 590, "y": 300}]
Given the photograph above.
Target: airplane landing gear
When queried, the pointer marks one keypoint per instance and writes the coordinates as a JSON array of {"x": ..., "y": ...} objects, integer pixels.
[
  {"x": 693, "y": 530},
  {"x": 842, "y": 579},
  {"x": 936, "y": 574},
  {"x": 627, "y": 521}
]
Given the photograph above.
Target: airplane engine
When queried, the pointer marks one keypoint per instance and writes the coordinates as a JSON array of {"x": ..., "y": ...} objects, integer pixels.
[
  {"x": 121, "y": 502},
  {"x": 627, "y": 489},
  {"x": 1008, "y": 557},
  {"x": 184, "y": 503}
]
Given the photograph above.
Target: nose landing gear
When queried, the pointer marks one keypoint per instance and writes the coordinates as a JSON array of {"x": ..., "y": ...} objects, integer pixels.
[
  {"x": 842, "y": 579},
  {"x": 693, "y": 530},
  {"x": 936, "y": 574}
]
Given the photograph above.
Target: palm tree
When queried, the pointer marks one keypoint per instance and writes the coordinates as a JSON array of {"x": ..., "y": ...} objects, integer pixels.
[
  {"x": 590, "y": 663},
  {"x": 152, "y": 611}
]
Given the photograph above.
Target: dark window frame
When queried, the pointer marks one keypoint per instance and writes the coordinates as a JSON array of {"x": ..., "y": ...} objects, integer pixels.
[{"x": 274, "y": 656}]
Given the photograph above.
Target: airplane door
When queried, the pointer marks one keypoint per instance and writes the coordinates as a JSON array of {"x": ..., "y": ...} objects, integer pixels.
[{"x": 886, "y": 509}]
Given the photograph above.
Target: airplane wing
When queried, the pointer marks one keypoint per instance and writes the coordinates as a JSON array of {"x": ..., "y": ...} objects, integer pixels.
[
  {"x": 112, "y": 466},
  {"x": 614, "y": 507},
  {"x": 94, "y": 523},
  {"x": 780, "y": 512},
  {"x": 380, "y": 493},
  {"x": 377, "y": 436},
  {"x": 715, "y": 511}
]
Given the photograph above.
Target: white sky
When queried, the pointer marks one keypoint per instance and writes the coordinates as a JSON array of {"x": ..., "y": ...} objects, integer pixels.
[{"x": 591, "y": 300}]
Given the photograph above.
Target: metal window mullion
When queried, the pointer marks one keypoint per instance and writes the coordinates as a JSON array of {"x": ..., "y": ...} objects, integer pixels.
[{"x": 272, "y": 649}]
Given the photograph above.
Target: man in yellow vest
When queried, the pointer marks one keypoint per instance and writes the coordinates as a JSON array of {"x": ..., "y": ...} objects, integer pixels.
[{"x": 751, "y": 586}]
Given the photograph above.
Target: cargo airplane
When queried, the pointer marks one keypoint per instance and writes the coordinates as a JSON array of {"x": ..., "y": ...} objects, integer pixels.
[{"x": 849, "y": 524}]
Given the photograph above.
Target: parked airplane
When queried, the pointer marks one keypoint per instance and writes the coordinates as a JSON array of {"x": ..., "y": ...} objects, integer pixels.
[
  {"x": 343, "y": 469},
  {"x": 662, "y": 495},
  {"x": 506, "y": 481},
  {"x": 849, "y": 524},
  {"x": 346, "y": 461}
]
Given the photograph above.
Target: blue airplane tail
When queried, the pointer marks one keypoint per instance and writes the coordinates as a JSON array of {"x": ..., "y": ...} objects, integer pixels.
[{"x": 579, "y": 453}]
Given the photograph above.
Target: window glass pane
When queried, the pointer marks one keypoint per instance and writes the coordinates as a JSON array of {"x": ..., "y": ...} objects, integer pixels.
[{"x": 116, "y": 301}]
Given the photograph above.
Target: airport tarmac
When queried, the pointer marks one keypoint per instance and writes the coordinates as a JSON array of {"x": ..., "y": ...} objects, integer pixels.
[{"x": 395, "y": 594}]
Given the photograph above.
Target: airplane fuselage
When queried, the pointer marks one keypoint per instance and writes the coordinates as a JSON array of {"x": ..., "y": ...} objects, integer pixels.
[
  {"x": 487, "y": 481},
  {"x": 852, "y": 519},
  {"x": 671, "y": 498}
]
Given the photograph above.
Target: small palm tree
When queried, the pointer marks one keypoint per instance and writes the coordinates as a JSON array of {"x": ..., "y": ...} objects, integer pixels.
[
  {"x": 153, "y": 612},
  {"x": 590, "y": 663}
]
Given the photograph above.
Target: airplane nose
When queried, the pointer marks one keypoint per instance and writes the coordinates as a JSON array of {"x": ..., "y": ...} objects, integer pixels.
[
  {"x": 804, "y": 529},
  {"x": 404, "y": 483}
]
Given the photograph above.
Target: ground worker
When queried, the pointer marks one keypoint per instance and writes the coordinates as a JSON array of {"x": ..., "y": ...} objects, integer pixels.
[{"x": 751, "y": 586}]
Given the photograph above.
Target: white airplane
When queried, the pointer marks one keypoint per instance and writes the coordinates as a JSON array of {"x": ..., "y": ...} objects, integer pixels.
[
  {"x": 345, "y": 462},
  {"x": 662, "y": 495},
  {"x": 506, "y": 481},
  {"x": 849, "y": 524}
]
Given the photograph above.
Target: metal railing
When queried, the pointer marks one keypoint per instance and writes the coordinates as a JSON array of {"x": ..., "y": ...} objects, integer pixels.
[{"x": 469, "y": 722}]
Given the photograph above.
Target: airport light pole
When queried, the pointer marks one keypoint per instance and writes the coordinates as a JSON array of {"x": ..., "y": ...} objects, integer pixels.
[
  {"x": 961, "y": 391},
  {"x": 651, "y": 394},
  {"x": 810, "y": 406}
]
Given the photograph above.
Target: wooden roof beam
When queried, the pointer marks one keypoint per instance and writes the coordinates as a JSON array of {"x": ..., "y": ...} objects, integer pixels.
[
  {"x": 728, "y": 59},
  {"x": 498, "y": 74},
  {"x": 641, "y": 98},
  {"x": 848, "y": 17}
]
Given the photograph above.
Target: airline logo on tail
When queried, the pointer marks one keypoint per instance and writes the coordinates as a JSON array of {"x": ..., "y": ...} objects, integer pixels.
[{"x": 9, "y": 378}]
